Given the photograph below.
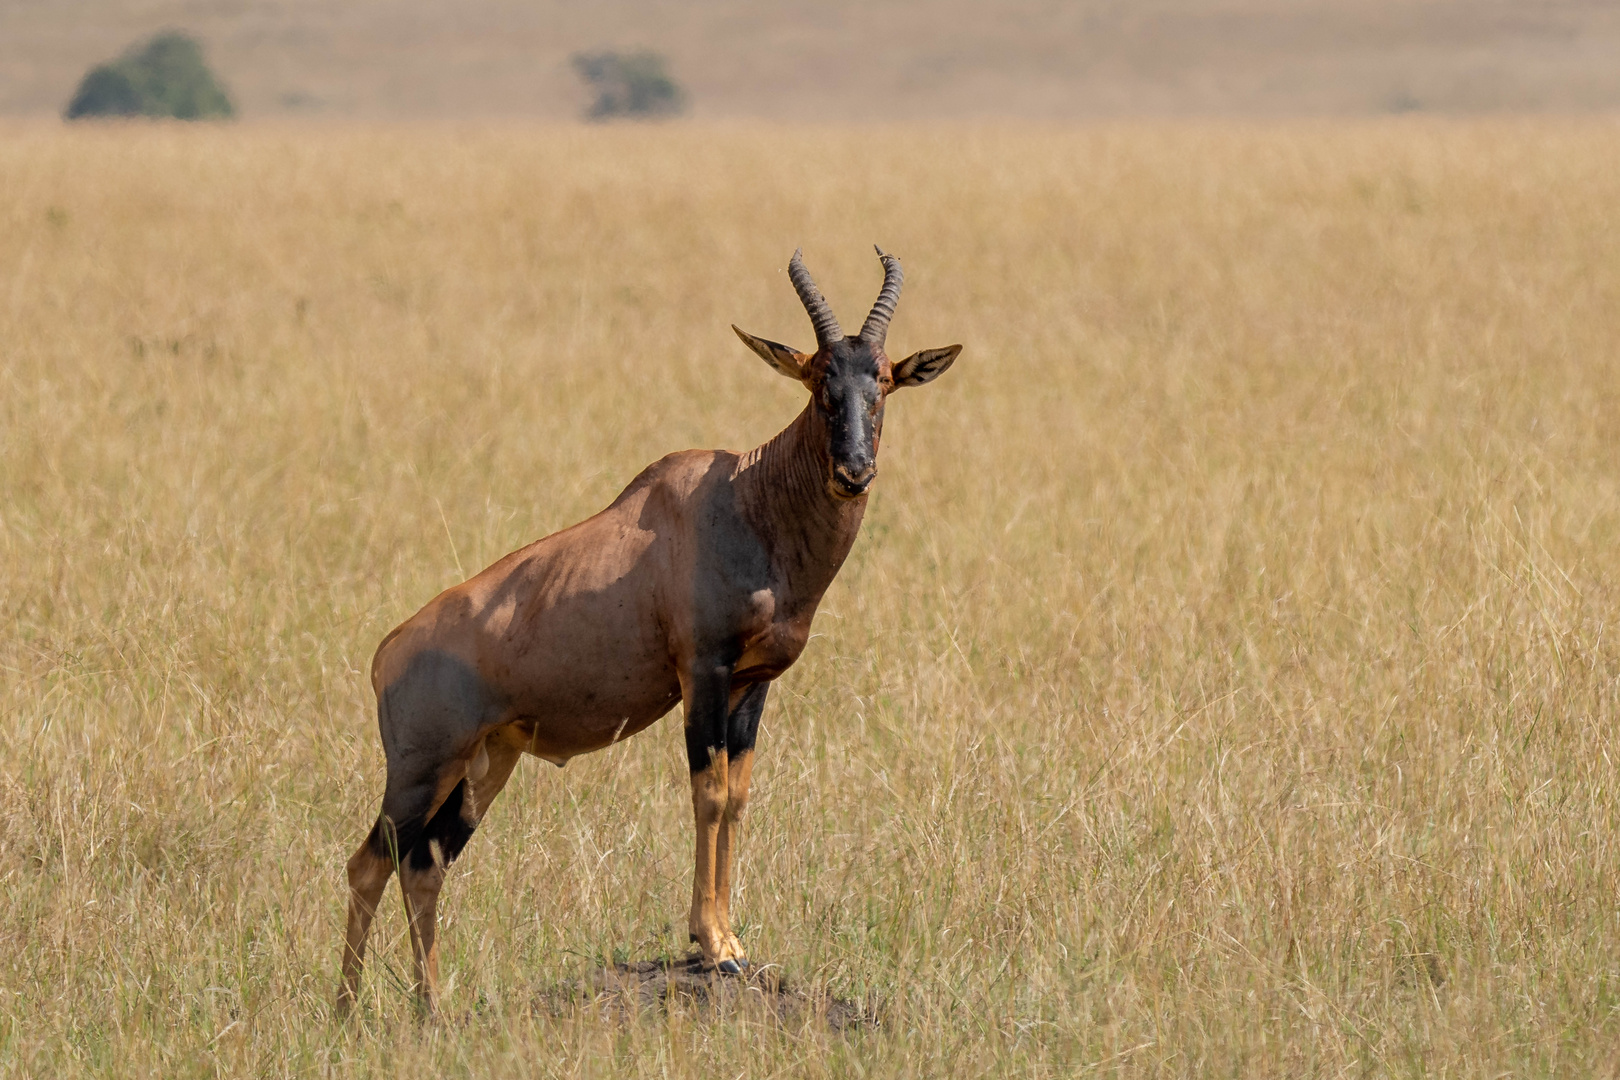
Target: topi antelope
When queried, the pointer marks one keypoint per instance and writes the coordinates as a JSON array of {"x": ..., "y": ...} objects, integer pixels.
[{"x": 697, "y": 585}]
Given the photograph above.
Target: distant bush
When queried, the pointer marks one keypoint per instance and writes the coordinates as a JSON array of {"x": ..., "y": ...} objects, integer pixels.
[
  {"x": 628, "y": 84},
  {"x": 166, "y": 76}
]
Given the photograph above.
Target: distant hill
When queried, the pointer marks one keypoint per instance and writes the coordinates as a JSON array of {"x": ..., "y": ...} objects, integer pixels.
[{"x": 843, "y": 60}]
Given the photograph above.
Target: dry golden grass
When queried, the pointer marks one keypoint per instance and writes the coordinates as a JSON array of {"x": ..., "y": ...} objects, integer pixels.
[{"x": 1225, "y": 685}]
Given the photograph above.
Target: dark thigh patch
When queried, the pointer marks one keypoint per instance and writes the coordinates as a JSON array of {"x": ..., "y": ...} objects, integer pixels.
[
  {"x": 431, "y": 709},
  {"x": 451, "y": 827}
]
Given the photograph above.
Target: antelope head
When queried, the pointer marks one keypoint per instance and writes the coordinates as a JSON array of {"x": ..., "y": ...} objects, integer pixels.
[{"x": 850, "y": 378}]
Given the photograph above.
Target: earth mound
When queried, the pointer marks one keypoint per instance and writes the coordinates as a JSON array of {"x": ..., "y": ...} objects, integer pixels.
[{"x": 763, "y": 991}]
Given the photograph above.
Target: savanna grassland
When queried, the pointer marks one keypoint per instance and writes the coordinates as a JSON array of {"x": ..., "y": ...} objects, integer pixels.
[{"x": 1225, "y": 682}]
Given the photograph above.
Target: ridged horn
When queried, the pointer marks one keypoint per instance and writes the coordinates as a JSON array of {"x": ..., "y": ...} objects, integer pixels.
[
  {"x": 877, "y": 323},
  {"x": 821, "y": 316}
]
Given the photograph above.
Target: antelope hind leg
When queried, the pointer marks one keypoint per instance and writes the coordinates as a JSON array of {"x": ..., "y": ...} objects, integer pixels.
[
  {"x": 421, "y": 877},
  {"x": 421, "y": 886},
  {"x": 422, "y": 873},
  {"x": 369, "y": 870}
]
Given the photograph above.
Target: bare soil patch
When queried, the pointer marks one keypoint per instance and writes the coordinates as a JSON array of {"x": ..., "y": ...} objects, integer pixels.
[{"x": 764, "y": 991}]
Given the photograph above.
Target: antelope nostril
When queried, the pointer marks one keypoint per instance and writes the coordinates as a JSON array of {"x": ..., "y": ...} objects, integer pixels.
[{"x": 851, "y": 484}]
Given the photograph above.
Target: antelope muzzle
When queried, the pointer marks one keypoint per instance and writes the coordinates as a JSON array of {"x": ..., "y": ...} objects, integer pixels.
[{"x": 850, "y": 483}]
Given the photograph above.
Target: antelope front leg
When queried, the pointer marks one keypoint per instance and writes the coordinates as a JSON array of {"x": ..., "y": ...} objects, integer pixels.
[
  {"x": 741, "y": 729},
  {"x": 707, "y": 693}
]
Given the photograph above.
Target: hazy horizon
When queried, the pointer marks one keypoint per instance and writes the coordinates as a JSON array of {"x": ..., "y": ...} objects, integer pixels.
[{"x": 904, "y": 60}]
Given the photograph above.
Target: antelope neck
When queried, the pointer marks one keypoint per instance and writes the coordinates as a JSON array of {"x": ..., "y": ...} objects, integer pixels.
[{"x": 782, "y": 488}]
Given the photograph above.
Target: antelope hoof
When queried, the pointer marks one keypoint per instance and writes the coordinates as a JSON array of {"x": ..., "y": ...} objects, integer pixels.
[{"x": 720, "y": 952}]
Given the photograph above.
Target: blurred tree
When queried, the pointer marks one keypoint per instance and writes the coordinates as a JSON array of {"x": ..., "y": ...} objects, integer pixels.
[
  {"x": 166, "y": 76},
  {"x": 628, "y": 84}
]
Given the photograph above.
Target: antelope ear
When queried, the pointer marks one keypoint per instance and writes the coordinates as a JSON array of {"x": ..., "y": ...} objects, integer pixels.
[
  {"x": 925, "y": 366},
  {"x": 780, "y": 357}
]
